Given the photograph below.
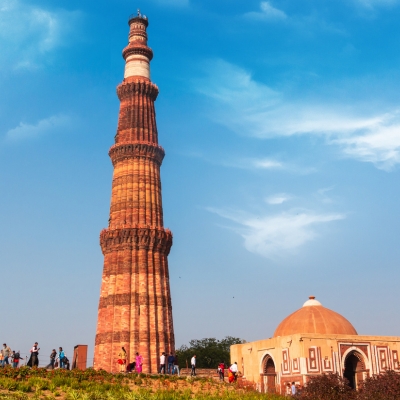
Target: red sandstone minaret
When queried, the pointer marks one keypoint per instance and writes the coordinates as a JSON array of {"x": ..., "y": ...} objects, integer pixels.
[{"x": 135, "y": 301}]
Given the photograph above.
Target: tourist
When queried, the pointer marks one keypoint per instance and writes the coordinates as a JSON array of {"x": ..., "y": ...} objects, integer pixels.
[
  {"x": 288, "y": 389},
  {"x": 15, "y": 358},
  {"x": 34, "y": 358},
  {"x": 293, "y": 389},
  {"x": 66, "y": 363},
  {"x": 298, "y": 390},
  {"x": 53, "y": 356},
  {"x": 233, "y": 369},
  {"x": 171, "y": 360},
  {"x": 61, "y": 356},
  {"x": 122, "y": 360},
  {"x": 131, "y": 367},
  {"x": 139, "y": 363},
  {"x": 193, "y": 364},
  {"x": 6, "y": 352},
  {"x": 221, "y": 370},
  {"x": 176, "y": 365},
  {"x": 162, "y": 363}
]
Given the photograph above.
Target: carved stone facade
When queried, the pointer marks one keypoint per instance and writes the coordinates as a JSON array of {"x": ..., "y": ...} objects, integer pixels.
[
  {"x": 295, "y": 356},
  {"x": 135, "y": 308}
]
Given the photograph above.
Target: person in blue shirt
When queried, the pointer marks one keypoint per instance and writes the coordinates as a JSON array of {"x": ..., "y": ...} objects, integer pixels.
[
  {"x": 171, "y": 360},
  {"x": 61, "y": 356}
]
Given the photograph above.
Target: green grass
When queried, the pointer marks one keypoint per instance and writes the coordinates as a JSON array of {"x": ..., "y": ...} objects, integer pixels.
[{"x": 39, "y": 384}]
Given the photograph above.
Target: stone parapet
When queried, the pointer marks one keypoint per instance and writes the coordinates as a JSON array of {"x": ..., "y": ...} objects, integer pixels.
[
  {"x": 119, "y": 152},
  {"x": 148, "y": 238},
  {"x": 142, "y": 87},
  {"x": 137, "y": 49},
  {"x": 124, "y": 299}
]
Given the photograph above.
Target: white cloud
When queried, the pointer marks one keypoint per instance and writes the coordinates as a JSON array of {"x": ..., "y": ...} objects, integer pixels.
[
  {"x": 278, "y": 198},
  {"x": 380, "y": 146},
  {"x": 248, "y": 107},
  {"x": 29, "y": 131},
  {"x": 254, "y": 163},
  {"x": 28, "y": 34},
  {"x": 267, "y": 11},
  {"x": 266, "y": 164},
  {"x": 273, "y": 236}
]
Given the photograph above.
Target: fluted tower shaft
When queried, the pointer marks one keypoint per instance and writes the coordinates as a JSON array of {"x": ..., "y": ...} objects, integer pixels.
[{"x": 135, "y": 302}]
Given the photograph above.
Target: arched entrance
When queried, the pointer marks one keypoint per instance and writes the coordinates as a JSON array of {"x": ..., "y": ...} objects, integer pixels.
[
  {"x": 354, "y": 368},
  {"x": 268, "y": 377}
]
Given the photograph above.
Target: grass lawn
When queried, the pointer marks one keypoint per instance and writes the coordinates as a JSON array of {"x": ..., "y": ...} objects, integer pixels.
[{"x": 39, "y": 384}]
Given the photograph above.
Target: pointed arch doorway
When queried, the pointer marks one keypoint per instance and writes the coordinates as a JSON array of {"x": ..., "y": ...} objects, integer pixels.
[
  {"x": 268, "y": 377},
  {"x": 354, "y": 369}
]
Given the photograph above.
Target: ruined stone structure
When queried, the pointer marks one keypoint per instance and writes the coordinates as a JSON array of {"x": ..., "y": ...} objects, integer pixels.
[
  {"x": 135, "y": 302},
  {"x": 311, "y": 341}
]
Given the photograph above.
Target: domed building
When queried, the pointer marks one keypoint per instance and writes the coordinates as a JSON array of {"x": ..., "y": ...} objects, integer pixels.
[{"x": 314, "y": 340}]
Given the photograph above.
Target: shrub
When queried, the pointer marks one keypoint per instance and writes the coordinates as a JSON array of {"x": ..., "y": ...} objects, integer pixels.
[
  {"x": 381, "y": 387},
  {"x": 327, "y": 387},
  {"x": 24, "y": 387}
]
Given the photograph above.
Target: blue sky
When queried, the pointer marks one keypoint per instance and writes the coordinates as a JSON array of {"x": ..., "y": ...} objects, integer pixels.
[{"x": 281, "y": 125}]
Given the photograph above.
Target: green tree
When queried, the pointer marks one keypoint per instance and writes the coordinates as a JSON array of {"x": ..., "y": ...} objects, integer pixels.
[{"x": 209, "y": 352}]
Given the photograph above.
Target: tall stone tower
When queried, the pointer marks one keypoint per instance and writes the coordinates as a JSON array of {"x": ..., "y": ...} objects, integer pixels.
[{"x": 135, "y": 301}]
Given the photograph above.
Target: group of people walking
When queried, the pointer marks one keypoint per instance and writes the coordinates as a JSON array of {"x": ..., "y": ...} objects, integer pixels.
[
  {"x": 124, "y": 366},
  {"x": 171, "y": 361},
  {"x": 12, "y": 357},
  {"x": 58, "y": 360},
  {"x": 8, "y": 356},
  {"x": 168, "y": 363},
  {"x": 232, "y": 370}
]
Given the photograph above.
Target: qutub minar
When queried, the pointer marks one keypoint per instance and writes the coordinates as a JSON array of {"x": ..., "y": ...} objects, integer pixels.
[{"x": 135, "y": 301}]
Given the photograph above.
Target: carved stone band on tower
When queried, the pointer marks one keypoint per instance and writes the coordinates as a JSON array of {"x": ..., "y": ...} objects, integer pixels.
[{"x": 135, "y": 310}]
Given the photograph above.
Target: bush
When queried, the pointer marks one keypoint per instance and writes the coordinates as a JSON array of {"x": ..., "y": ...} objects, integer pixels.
[
  {"x": 327, "y": 387},
  {"x": 381, "y": 387}
]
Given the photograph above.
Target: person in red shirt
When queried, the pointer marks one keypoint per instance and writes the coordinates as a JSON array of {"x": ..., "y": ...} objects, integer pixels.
[{"x": 221, "y": 371}]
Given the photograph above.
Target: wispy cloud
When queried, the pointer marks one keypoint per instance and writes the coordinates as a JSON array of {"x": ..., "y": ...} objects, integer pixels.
[
  {"x": 278, "y": 198},
  {"x": 273, "y": 236},
  {"x": 172, "y": 3},
  {"x": 30, "y": 131},
  {"x": 371, "y": 4},
  {"x": 28, "y": 34},
  {"x": 267, "y": 12},
  {"x": 379, "y": 145},
  {"x": 251, "y": 108},
  {"x": 254, "y": 163}
]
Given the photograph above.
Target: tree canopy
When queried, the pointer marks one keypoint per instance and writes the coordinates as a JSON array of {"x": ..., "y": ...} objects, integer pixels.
[{"x": 209, "y": 352}]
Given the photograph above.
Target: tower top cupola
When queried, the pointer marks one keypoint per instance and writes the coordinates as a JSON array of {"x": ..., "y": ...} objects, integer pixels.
[{"x": 137, "y": 54}]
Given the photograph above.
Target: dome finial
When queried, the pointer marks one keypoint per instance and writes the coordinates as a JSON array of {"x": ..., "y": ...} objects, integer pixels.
[{"x": 311, "y": 302}]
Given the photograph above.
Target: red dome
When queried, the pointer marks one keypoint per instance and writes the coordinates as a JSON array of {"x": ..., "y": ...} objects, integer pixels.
[{"x": 314, "y": 318}]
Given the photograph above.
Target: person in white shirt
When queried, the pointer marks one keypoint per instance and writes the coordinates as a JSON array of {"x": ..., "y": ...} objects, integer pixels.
[
  {"x": 34, "y": 360},
  {"x": 234, "y": 371},
  {"x": 234, "y": 368},
  {"x": 193, "y": 364},
  {"x": 162, "y": 363}
]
